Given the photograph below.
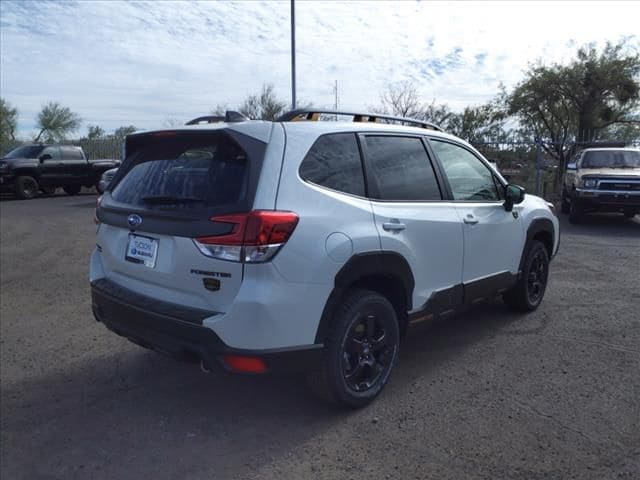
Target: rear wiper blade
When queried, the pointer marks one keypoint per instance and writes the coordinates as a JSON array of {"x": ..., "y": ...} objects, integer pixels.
[{"x": 168, "y": 199}]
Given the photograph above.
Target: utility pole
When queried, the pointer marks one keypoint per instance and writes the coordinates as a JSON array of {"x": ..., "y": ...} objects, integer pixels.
[
  {"x": 335, "y": 102},
  {"x": 293, "y": 55}
]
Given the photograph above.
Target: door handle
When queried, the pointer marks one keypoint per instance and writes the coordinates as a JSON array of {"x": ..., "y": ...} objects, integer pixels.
[
  {"x": 470, "y": 219},
  {"x": 394, "y": 226}
]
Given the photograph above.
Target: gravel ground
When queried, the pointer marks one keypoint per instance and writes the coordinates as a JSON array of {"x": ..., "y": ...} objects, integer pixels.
[{"x": 491, "y": 394}]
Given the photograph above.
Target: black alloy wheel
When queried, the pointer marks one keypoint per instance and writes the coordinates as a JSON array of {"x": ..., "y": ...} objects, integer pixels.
[
  {"x": 527, "y": 294},
  {"x": 26, "y": 187},
  {"x": 368, "y": 354},
  {"x": 360, "y": 350},
  {"x": 537, "y": 276}
]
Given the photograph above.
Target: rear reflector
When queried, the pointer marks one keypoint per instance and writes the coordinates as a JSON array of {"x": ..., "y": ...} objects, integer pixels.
[
  {"x": 255, "y": 237},
  {"x": 241, "y": 364}
]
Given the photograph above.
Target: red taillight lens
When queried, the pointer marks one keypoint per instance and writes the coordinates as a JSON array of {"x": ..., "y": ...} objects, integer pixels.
[
  {"x": 241, "y": 364},
  {"x": 256, "y": 236}
]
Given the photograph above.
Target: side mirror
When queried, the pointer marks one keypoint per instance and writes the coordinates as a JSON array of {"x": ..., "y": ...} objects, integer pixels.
[
  {"x": 513, "y": 195},
  {"x": 572, "y": 166},
  {"x": 44, "y": 157}
]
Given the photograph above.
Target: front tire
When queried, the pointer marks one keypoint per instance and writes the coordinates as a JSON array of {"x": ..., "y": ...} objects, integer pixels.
[
  {"x": 360, "y": 350},
  {"x": 72, "y": 189},
  {"x": 26, "y": 187},
  {"x": 527, "y": 294},
  {"x": 576, "y": 212}
]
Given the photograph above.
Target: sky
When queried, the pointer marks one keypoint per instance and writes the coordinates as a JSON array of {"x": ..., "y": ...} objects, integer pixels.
[{"x": 152, "y": 63}]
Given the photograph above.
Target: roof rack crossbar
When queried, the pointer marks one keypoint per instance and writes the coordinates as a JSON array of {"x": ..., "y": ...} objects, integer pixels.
[
  {"x": 313, "y": 114},
  {"x": 229, "y": 116}
]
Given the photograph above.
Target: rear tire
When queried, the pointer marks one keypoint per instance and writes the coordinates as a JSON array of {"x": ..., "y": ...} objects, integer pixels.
[
  {"x": 576, "y": 212},
  {"x": 26, "y": 187},
  {"x": 565, "y": 206},
  {"x": 72, "y": 189},
  {"x": 359, "y": 352},
  {"x": 528, "y": 293}
]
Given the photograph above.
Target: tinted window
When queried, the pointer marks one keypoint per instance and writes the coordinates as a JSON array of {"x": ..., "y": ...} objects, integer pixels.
[
  {"x": 184, "y": 172},
  {"x": 469, "y": 178},
  {"x": 71, "y": 153},
  {"x": 53, "y": 151},
  {"x": 29, "y": 151},
  {"x": 334, "y": 162},
  {"x": 402, "y": 169}
]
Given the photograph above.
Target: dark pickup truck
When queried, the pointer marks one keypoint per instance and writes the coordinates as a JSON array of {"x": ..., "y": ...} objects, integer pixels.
[{"x": 32, "y": 168}]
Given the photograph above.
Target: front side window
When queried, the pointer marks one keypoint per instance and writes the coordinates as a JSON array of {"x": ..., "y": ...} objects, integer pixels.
[
  {"x": 469, "y": 178},
  {"x": 402, "y": 169},
  {"x": 53, "y": 151},
  {"x": 334, "y": 162}
]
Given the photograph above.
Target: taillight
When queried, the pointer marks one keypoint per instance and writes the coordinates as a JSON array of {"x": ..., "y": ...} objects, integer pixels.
[{"x": 256, "y": 236}]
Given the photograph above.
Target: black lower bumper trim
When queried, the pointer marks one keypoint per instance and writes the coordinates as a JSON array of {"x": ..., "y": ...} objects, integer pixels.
[{"x": 130, "y": 317}]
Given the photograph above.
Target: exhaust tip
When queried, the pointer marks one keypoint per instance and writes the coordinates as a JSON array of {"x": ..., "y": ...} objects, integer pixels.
[{"x": 204, "y": 367}]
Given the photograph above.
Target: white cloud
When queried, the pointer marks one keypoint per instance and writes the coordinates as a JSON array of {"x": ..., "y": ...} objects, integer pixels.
[{"x": 140, "y": 63}]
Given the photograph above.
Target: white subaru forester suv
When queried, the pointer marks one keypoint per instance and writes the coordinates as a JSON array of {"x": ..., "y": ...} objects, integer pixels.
[{"x": 309, "y": 245}]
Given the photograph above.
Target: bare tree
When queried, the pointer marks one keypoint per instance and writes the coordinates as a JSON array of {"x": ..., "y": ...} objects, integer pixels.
[{"x": 401, "y": 99}]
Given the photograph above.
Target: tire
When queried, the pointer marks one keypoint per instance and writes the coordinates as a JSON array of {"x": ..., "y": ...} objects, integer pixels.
[
  {"x": 98, "y": 189},
  {"x": 565, "y": 206},
  {"x": 528, "y": 293},
  {"x": 26, "y": 187},
  {"x": 576, "y": 212},
  {"x": 48, "y": 190},
  {"x": 629, "y": 214},
  {"x": 72, "y": 189},
  {"x": 360, "y": 351}
]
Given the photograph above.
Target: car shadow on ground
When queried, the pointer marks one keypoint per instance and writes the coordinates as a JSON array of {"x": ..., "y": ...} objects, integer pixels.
[
  {"x": 603, "y": 226},
  {"x": 140, "y": 401}
]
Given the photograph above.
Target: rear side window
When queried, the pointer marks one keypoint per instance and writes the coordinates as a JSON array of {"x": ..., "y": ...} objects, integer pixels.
[
  {"x": 184, "y": 172},
  {"x": 402, "y": 169},
  {"x": 71, "y": 153},
  {"x": 334, "y": 162}
]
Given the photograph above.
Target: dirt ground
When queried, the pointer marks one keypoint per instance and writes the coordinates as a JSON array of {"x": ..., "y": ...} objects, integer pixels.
[{"x": 491, "y": 394}]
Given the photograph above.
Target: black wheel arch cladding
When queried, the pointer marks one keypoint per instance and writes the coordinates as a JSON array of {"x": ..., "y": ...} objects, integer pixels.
[{"x": 361, "y": 266}]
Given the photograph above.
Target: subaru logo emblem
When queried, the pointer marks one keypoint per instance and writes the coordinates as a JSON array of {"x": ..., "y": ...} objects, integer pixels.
[{"x": 134, "y": 220}]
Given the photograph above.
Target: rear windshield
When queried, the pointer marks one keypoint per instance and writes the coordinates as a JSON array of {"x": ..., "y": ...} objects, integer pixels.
[
  {"x": 611, "y": 159},
  {"x": 188, "y": 171}
]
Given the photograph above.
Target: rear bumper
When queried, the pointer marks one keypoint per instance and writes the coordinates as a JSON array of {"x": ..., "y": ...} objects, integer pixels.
[{"x": 178, "y": 331}]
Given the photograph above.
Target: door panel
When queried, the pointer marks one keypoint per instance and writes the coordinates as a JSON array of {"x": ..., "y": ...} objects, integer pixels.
[
  {"x": 493, "y": 237},
  {"x": 51, "y": 169},
  {"x": 431, "y": 241},
  {"x": 413, "y": 220},
  {"x": 493, "y": 240}
]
